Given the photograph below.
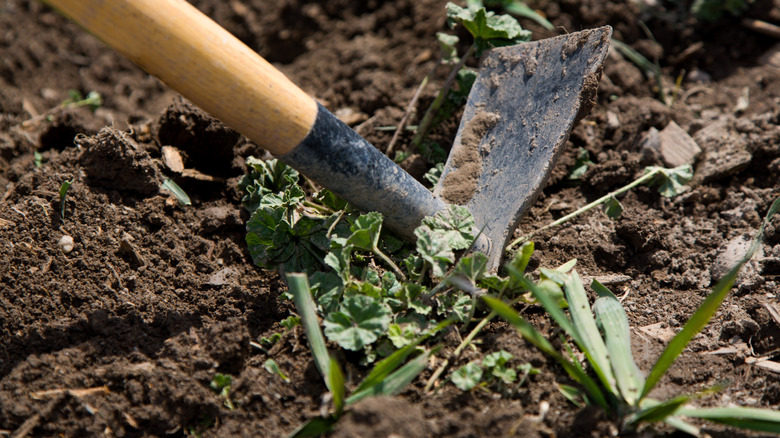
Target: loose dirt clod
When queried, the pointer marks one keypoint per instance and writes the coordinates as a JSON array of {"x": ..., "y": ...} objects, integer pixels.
[{"x": 114, "y": 161}]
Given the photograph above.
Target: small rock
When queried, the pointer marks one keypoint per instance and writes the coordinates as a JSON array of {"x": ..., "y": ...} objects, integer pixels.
[
  {"x": 613, "y": 122},
  {"x": 677, "y": 147},
  {"x": 729, "y": 255},
  {"x": 66, "y": 244},
  {"x": 697, "y": 75},
  {"x": 725, "y": 151},
  {"x": 223, "y": 276},
  {"x": 350, "y": 116},
  {"x": 172, "y": 159}
]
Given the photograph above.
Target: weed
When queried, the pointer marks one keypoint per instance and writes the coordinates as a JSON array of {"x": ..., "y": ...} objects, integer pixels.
[
  {"x": 38, "y": 159},
  {"x": 176, "y": 191},
  {"x": 93, "y": 100},
  {"x": 668, "y": 182},
  {"x": 388, "y": 377},
  {"x": 487, "y": 30},
  {"x": 272, "y": 367},
  {"x": 64, "y": 196},
  {"x": 619, "y": 387},
  {"x": 220, "y": 384}
]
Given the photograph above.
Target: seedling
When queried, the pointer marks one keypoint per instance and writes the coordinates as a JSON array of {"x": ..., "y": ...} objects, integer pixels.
[
  {"x": 220, "y": 384},
  {"x": 272, "y": 367},
  {"x": 176, "y": 191},
  {"x": 619, "y": 387},
  {"x": 64, "y": 196},
  {"x": 93, "y": 100},
  {"x": 388, "y": 377},
  {"x": 492, "y": 371},
  {"x": 38, "y": 159}
]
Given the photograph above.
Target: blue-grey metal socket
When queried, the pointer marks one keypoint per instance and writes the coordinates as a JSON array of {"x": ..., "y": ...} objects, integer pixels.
[{"x": 334, "y": 155}]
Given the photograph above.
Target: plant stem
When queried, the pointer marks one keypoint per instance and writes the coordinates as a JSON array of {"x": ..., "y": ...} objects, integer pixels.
[
  {"x": 405, "y": 118},
  {"x": 601, "y": 200},
  {"x": 378, "y": 252},
  {"x": 466, "y": 341},
  {"x": 430, "y": 114}
]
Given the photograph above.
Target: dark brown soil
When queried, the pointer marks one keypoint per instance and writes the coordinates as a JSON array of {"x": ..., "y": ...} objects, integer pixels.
[{"x": 122, "y": 334}]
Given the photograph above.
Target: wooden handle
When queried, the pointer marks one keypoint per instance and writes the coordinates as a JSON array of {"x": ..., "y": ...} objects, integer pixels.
[{"x": 192, "y": 54}]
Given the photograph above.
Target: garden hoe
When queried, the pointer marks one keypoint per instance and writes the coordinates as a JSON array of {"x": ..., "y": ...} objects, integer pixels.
[{"x": 519, "y": 114}]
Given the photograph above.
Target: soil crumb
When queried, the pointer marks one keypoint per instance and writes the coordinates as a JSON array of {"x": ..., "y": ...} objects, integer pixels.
[
  {"x": 383, "y": 417},
  {"x": 459, "y": 184}
]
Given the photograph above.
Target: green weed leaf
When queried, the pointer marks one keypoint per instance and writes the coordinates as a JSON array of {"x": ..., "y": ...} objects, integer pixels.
[
  {"x": 467, "y": 376},
  {"x": 454, "y": 226},
  {"x": 670, "y": 182},
  {"x": 487, "y": 28},
  {"x": 497, "y": 359},
  {"x": 434, "y": 250},
  {"x": 265, "y": 177},
  {"x": 359, "y": 321},
  {"x": 365, "y": 231},
  {"x": 456, "y": 306},
  {"x": 613, "y": 208},
  {"x": 272, "y": 367},
  {"x": 472, "y": 267},
  {"x": 581, "y": 165}
]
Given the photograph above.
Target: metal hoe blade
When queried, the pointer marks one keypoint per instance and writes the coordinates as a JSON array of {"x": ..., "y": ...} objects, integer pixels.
[{"x": 520, "y": 112}]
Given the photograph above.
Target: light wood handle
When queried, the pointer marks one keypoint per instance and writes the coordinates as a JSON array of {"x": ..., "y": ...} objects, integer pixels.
[{"x": 192, "y": 54}]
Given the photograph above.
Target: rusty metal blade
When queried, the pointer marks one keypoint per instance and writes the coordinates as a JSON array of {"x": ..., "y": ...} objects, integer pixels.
[{"x": 523, "y": 105}]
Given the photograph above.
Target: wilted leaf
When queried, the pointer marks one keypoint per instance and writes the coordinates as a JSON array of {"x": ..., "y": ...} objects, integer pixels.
[
  {"x": 613, "y": 208},
  {"x": 671, "y": 182}
]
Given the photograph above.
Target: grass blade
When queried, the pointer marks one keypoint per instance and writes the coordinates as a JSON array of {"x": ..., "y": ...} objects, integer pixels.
[
  {"x": 176, "y": 191},
  {"x": 588, "y": 336},
  {"x": 764, "y": 420},
  {"x": 530, "y": 334},
  {"x": 549, "y": 304},
  {"x": 683, "y": 426},
  {"x": 299, "y": 287},
  {"x": 658, "y": 411},
  {"x": 612, "y": 319},
  {"x": 317, "y": 426},
  {"x": 390, "y": 363},
  {"x": 338, "y": 388},
  {"x": 396, "y": 381},
  {"x": 703, "y": 314}
]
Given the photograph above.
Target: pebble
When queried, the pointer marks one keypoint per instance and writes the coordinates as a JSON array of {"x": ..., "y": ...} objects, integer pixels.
[{"x": 66, "y": 244}]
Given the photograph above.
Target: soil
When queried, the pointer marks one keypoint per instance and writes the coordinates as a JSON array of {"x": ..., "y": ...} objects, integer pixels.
[{"x": 120, "y": 331}]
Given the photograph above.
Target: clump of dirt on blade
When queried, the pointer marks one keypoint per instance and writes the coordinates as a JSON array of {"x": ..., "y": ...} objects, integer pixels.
[{"x": 459, "y": 184}]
